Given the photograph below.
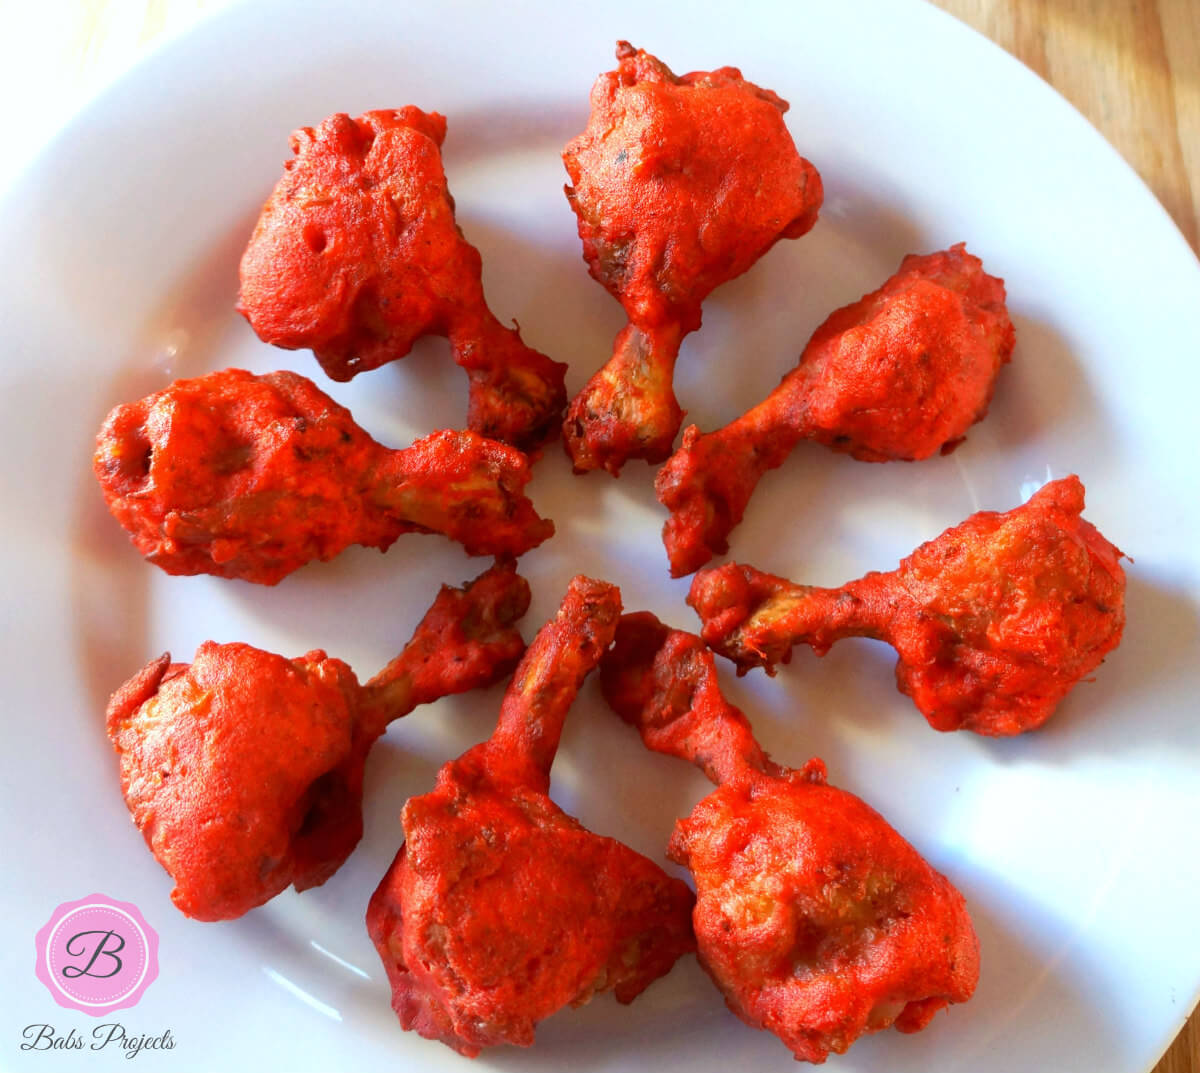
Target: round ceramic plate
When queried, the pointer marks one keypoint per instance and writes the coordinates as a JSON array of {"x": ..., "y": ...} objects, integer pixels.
[{"x": 118, "y": 268}]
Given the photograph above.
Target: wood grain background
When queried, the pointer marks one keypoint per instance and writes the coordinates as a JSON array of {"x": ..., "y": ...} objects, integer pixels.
[{"x": 1132, "y": 67}]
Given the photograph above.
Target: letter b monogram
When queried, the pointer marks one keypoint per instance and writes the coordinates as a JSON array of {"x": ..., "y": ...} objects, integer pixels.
[
  {"x": 108, "y": 946},
  {"x": 97, "y": 955}
]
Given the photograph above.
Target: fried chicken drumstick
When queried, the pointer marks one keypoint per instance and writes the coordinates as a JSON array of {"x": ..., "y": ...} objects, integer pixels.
[
  {"x": 679, "y": 184},
  {"x": 499, "y": 908},
  {"x": 357, "y": 255},
  {"x": 251, "y": 477},
  {"x": 994, "y": 621},
  {"x": 244, "y": 770},
  {"x": 814, "y": 918},
  {"x": 901, "y": 374}
]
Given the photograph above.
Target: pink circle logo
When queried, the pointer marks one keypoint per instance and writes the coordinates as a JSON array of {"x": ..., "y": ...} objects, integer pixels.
[{"x": 97, "y": 955}]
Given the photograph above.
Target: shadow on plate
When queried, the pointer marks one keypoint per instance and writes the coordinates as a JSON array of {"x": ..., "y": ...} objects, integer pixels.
[
  {"x": 511, "y": 126},
  {"x": 1162, "y": 636},
  {"x": 1030, "y": 958},
  {"x": 111, "y": 584},
  {"x": 755, "y": 326},
  {"x": 183, "y": 337},
  {"x": 1044, "y": 395},
  {"x": 546, "y": 289}
]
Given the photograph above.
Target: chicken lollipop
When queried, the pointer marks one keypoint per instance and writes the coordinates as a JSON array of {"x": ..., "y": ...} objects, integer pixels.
[
  {"x": 898, "y": 375},
  {"x": 679, "y": 184},
  {"x": 814, "y": 918},
  {"x": 244, "y": 770},
  {"x": 251, "y": 477},
  {"x": 357, "y": 255},
  {"x": 994, "y": 621},
  {"x": 499, "y": 908}
]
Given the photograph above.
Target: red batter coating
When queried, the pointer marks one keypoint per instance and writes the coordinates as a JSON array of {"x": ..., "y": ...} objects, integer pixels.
[
  {"x": 679, "y": 184},
  {"x": 994, "y": 621},
  {"x": 500, "y": 908},
  {"x": 901, "y": 374},
  {"x": 357, "y": 255},
  {"x": 816, "y": 920},
  {"x": 251, "y": 477},
  {"x": 244, "y": 770}
]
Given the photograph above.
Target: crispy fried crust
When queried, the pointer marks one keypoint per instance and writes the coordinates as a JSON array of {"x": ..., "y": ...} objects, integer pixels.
[
  {"x": 357, "y": 255},
  {"x": 814, "y": 918},
  {"x": 500, "y": 908},
  {"x": 251, "y": 477},
  {"x": 679, "y": 184},
  {"x": 243, "y": 770},
  {"x": 994, "y": 621},
  {"x": 901, "y": 374}
]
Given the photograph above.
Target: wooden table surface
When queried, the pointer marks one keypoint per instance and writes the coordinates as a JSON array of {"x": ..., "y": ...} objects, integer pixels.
[{"x": 1132, "y": 67}]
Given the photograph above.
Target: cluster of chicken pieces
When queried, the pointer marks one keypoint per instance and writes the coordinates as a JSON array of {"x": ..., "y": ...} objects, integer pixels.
[{"x": 244, "y": 770}]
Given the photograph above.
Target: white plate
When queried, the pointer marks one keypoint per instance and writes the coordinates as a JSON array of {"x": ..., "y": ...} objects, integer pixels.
[{"x": 118, "y": 257}]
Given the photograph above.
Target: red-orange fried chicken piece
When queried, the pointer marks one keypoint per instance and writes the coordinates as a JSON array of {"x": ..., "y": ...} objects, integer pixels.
[
  {"x": 901, "y": 374},
  {"x": 679, "y": 184},
  {"x": 357, "y": 255},
  {"x": 244, "y": 770},
  {"x": 251, "y": 477},
  {"x": 994, "y": 621},
  {"x": 815, "y": 919},
  {"x": 499, "y": 908}
]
